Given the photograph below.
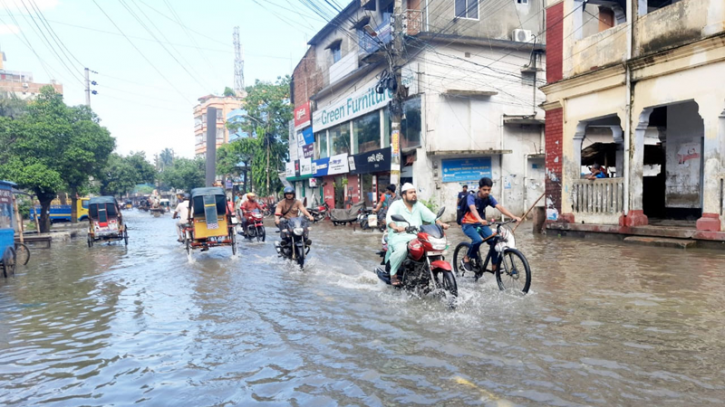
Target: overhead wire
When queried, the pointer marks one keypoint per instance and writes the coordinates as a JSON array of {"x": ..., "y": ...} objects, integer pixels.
[
  {"x": 25, "y": 41},
  {"x": 52, "y": 32},
  {"x": 138, "y": 50}
]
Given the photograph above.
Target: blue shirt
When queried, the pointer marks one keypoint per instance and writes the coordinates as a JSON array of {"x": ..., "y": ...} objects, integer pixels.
[
  {"x": 481, "y": 205},
  {"x": 601, "y": 174},
  {"x": 461, "y": 195}
]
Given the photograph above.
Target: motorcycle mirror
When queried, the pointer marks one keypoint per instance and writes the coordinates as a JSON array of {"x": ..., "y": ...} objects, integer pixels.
[
  {"x": 440, "y": 212},
  {"x": 398, "y": 218}
]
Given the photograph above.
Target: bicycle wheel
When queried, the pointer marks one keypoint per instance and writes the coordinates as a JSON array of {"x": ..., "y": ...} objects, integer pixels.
[
  {"x": 458, "y": 254},
  {"x": 22, "y": 253},
  {"x": 513, "y": 272}
]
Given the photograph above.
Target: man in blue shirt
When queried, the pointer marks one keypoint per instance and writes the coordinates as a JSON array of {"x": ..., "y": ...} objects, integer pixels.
[
  {"x": 596, "y": 173},
  {"x": 474, "y": 221}
]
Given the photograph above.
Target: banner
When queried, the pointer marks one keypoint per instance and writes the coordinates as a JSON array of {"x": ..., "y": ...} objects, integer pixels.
[
  {"x": 362, "y": 101},
  {"x": 289, "y": 170},
  {"x": 302, "y": 116},
  {"x": 372, "y": 161},
  {"x": 466, "y": 169},
  {"x": 319, "y": 167},
  {"x": 305, "y": 166},
  {"x": 308, "y": 136},
  {"x": 297, "y": 168},
  {"x": 338, "y": 164},
  {"x": 308, "y": 150}
]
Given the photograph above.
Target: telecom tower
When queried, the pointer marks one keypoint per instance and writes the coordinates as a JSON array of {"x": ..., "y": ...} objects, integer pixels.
[{"x": 238, "y": 65}]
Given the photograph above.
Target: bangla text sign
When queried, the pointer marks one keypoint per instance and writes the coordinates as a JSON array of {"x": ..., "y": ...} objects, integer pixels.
[
  {"x": 302, "y": 116},
  {"x": 466, "y": 169}
]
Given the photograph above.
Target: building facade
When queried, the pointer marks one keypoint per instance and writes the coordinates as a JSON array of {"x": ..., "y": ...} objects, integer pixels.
[
  {"x": 471, "y": 110},
  {"x": 21, "y": 84},
  {"x": 228, "y": 109},
  {"x": 632, "y": 87}
]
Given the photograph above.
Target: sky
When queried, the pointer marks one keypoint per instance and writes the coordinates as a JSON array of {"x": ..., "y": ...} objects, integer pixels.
[{"x": 147, "y": 87}]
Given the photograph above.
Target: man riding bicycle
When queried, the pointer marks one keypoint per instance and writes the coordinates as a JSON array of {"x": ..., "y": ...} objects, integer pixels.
[{"x": 474, "y": 222}]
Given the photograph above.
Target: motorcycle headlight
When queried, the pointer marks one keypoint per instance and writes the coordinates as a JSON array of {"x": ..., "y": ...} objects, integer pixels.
[
  {"x": 438, "y": 244},
  {"x": 298, "y": 231}
]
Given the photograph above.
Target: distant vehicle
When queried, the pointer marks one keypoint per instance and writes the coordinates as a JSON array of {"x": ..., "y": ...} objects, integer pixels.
[
  {"x": 62, "y": 213},
  {"x": 128, "y": 204},
  {"x": 8, "y": 256},
  {"x": 164, "y": 203},
  {"x": 105, "y": 221}
]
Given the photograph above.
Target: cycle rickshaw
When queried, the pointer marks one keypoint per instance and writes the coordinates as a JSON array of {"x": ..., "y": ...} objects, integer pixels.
[{"x": 210, "y": 222}]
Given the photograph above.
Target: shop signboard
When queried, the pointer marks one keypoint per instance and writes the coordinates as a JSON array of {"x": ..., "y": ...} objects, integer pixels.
[
  {"x": 305, "y": 167},
  {"x": 289, "y": 170},
  {"x": 313, "y": 182},
  {"x": 302, "y": 116},
  {"x": 338, "y": 165},
  {"x": 372, "y": 161},
  {"x": 308, "y": 135},
  {"x": 297, "y": 168},
  {"x": 358, "y": 103},
  {"x": 308, "y": 150},
  {"x": 466, "y": 169},
  {"x": 319, "y": 167}
]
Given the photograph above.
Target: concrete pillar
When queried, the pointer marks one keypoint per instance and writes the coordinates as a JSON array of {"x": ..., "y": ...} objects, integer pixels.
[
  {"x": 711, "y": 202},
  {"x": 636, "y": 216}
]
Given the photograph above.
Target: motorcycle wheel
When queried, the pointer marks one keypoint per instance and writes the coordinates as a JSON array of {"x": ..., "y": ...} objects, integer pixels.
[
  {"x": 300, "y": 256},
  {"x": 261, "y": 234}
]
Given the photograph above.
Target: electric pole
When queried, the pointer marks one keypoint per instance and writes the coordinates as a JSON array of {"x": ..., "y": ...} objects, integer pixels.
[
  {"x": 396, "y": 105},
  {"x": 88, "y": 88}
]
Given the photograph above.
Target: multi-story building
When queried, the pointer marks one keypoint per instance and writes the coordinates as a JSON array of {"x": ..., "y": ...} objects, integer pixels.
[
  {"x": 471, "y": 109},
  {"x": 228, "y": 107},
  {"x": 634, "y": 86},
  {"x": 21, "y": 84}
]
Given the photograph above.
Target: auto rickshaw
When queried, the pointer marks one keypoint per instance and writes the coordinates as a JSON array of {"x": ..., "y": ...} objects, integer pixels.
[
  {"x": 8, "y": 260},
  {"x": 105, "y": 221},
  {"x": 210, "y": 222},
  {"x": 166, "y": 204},
  {"x": 128, "y": 204}
]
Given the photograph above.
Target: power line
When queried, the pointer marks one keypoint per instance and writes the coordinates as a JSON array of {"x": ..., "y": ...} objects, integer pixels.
[
  {"x": 40, "y": 15},
  {"x": 138, "y": 50},
  {"x": 26, "y": 42}
]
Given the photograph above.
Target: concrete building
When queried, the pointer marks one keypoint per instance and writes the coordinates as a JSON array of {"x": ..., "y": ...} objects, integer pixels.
[
  {"x": 228, "y": 107},
  {"x": 634, "y": 85},
  {"x": 471, "y": 108},
  {"x": 21, "y": 84}
]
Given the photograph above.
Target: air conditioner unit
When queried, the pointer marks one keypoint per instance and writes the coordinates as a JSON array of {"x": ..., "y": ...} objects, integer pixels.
[
  {"x": 25, "y": 84},
  {"x": 520, "y": 35}
]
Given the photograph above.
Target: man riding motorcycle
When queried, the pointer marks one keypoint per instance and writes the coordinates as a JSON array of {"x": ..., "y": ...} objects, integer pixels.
[
  {"x": 249, "y": 206},
  {"x": 289, "y": 208},
  {"x": 415, "y": 213}
]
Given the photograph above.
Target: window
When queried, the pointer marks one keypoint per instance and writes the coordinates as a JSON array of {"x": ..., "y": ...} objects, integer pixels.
[
  {"x": 340, "y": 139},
  {"x": 321, "y": 141},
  {"x": 336, "y": 54},
  {"x": 366, "y": 133},
  {"x": 466, "y": 9}
]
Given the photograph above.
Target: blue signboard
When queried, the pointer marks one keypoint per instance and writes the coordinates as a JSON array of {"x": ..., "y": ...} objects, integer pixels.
[
  {"x": 466, "y": 169},
  {"x": 308, "y": 135},
  {"x": 319, "y": 167}
]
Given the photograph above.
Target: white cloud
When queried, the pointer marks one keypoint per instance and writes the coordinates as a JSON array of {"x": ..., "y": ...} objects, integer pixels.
[{"x": 9, "y": 29}]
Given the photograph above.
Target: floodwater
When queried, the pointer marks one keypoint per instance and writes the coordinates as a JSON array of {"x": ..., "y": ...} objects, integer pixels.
[{"x": 605, "y": 324}]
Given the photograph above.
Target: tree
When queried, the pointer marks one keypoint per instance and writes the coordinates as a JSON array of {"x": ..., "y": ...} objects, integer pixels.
[
  {"x": 119, "y": 176},
  {"x": 48, "y": 148},
  {"x": 229, "y": 91},
  {"x": 145, "y": 172},
  {"x": 12, "y": 106},
  {"x": 86, "y": 153},
  {"x": 269, "y": 112},
  {"x": 185, "y": 174}
]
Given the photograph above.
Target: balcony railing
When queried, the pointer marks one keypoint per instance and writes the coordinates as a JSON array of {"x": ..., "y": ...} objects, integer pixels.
[{"x": 598, "y": 197}]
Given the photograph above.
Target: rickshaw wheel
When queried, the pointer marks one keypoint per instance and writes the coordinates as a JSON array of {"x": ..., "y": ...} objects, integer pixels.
[
  {"x": 234, "y": 241},
  {"x": 125, "y": 235},
  {"x": 187, "y": 243},
  {"x": 9, "y": 262},
  {"x": 22, "y": 253}
]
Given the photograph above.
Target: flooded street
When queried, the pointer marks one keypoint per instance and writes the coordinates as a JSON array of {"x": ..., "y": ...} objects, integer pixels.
[{"x": 604, "y": 324}]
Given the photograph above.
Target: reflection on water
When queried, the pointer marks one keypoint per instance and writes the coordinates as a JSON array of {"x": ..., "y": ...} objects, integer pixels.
[{"x": 604, "y": 324}]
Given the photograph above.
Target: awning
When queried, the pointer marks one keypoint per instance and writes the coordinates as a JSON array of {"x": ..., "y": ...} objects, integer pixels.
[
  {"x": 300, "y": 178},
  {"x": 524, "y": 121},
  {"x": 470, "y": 152}
]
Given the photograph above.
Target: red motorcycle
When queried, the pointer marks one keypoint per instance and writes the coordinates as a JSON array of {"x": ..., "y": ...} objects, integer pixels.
[
  {"x": 254, "y": 226},
  {"x": 425, "y": 270},
  {"x": 320, "y": 212}
]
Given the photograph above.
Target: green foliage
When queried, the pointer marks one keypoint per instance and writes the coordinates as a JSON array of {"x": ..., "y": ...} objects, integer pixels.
[
  {"x": 269, "y": 112},
  {"x": 119, "y": 176},
  {"x": 144, "y": 189},
  {"x": 52, "y": 146},
  {"x": 12, "y": 106},
  {"x": 430, "y": 204},
  {"x": 184, "y": 174},
  {"x": 227, "y": 160},
  {"x": 229, "y": 91}
]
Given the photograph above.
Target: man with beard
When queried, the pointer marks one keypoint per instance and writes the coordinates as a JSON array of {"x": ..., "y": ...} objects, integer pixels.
[{"x": 415, "y": 213}]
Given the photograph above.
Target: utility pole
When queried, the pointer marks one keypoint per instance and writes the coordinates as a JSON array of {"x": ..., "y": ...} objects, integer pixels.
[
  {"x": 210, "y": 146},
  {"x": 396, "y": 105},
  {"x": 88, "y": 88}
]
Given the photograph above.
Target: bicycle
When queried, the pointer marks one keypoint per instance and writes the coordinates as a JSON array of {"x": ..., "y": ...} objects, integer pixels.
[
  {"x": 22, "y": 253},
  {"x": 512, "y": 264}
]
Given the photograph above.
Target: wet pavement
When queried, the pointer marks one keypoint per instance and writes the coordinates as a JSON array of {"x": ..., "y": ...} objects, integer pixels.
[{"x": 604, "y": 324}]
